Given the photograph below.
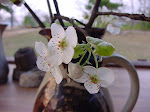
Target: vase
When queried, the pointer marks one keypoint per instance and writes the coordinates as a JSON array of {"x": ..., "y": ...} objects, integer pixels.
[
  {"x": 3, "y": 63},
  {"x": 72, "y": 96},
  {"x": 93, "y": 32}
]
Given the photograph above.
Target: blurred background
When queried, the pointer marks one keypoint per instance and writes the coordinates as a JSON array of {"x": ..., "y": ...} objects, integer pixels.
[{"x": 131, "y": 42}]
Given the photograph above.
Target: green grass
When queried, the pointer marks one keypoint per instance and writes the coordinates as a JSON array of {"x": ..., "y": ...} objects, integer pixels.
[
  {"x": 138, "y": 26},
  {"x": 133, "y": 45},
  {"x": 13, "y": 43}
]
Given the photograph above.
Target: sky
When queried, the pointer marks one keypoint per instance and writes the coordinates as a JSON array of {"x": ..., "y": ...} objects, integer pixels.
[{"x": 69, "y": 8}]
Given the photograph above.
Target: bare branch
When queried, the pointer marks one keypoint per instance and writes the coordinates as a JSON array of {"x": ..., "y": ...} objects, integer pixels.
[
  {"x": 70, "y": 21},
  {"x": 34, "y": 15},
  {"x": 50, "y": 11},
  {"x": 141, "y": 17},
  {"x": 93, "y": 15},
  {"x": 58, "y": 13},
  {"x": 79, "y": 22}
]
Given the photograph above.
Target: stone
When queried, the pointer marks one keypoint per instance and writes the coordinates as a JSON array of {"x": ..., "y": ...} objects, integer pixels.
[
  {"x": 16, "y": 74},
  {"x": 32, "y": 78}
]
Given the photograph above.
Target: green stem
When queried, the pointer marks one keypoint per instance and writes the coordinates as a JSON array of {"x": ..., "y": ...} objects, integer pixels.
[
  {"x": 82, "y": 57},
  {"x": 100, "y": 58},
  {"x": 87, "y": 59},
  {"x": 95, "y": 59}
]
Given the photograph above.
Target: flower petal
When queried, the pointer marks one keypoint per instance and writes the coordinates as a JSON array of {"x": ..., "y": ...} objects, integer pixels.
[
  {"x": 54, "y": 42},
  {"x": 42, "y": 64},
  {"x": 54, "y": 59},
  {"x": 71, "y": 36},
  {"x": 67, "y": 54},
  {"x": 75, "y": 71},
  {"x": 106, "y": 76},
  {"x": 41, "y": 49},
  {"x": 83, "y": 79},
  {"x": 57, "y": 31},
  {"x": 113, "y": 29},
  {"x": 55, "y": 52},
  {"x": 57, "y": 74},
  {"x": 91, "y": 87},
  {"x": 90, "y": 70}
]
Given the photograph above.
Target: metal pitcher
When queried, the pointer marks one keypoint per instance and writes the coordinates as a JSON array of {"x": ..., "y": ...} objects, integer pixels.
[{"x": 74, "y": 98}]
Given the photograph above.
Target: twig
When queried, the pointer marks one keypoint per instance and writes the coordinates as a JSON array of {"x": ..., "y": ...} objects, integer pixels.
[
  {"x": 93, "y": 15},
  {"x": 70, "y": 21},
  {"x": 50, "y": 11},
  {"x": 141, "y": 17},
  {"x": 58, "y": 13},
  {"x": 79, "y": 22},
  {"x": 35, "y": 16}
]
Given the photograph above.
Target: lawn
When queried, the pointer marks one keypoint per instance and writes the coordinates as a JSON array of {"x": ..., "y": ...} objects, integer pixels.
[
  {"x": 13, "y": 40},
  {"x": 131, "y": 44}
]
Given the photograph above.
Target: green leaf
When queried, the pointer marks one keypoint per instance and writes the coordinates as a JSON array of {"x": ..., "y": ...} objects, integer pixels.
[
  {"x": 104, "y": 49},
  {"x": 94, "y": 41},
  {"x": 79, "y": 50},
  {"x": 101, "y": 47}
]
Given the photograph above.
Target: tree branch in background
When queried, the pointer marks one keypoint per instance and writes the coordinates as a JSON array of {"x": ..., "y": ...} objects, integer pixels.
[
  {"x": 50, "y": 11},
  {"x": 58, "y": 13},
  {"x": 79, "y": 22},
  {"x": 93, "y": 15},
  {"x": 141, "y": 17},
  {"x": 70, "y": 21},
  {"x": 35, "y": 16}
]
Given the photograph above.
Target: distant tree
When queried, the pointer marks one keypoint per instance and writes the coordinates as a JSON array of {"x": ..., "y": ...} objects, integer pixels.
[
  {"x": 144, "y": 7},
  {"x": 5, "y": 8},
  {"x": 29, "y": 21},
  {"x": 9, "y": 10},
  {"x": 46, "y": 20},
  {"x": 106, "y": 3}
]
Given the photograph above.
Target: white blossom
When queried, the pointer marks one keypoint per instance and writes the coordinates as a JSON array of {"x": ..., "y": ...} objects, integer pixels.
[
  {"x": 62, "y": 43},
  {"x": 47, "y": 62},
  {"x": 94, "y": 78}
]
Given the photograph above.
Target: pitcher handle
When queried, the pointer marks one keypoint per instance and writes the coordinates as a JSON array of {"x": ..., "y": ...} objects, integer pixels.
[{"x": 134, "y": 91}]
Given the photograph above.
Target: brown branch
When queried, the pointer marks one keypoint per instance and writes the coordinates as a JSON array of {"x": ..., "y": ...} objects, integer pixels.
[
  {"x": 93, "y": 15},
  {"x": 34, "y": 15},
  {"x": 70, "y": 21},
  {"x": 141, "y": 17},
  {"x": 79, "y": 22},
  {"x": 58, "y": 13},
  {"x": 50, "y": 11}
]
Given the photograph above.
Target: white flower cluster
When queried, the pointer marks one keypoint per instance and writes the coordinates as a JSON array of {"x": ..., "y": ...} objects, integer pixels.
[{"x": 61, "y": 50}]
